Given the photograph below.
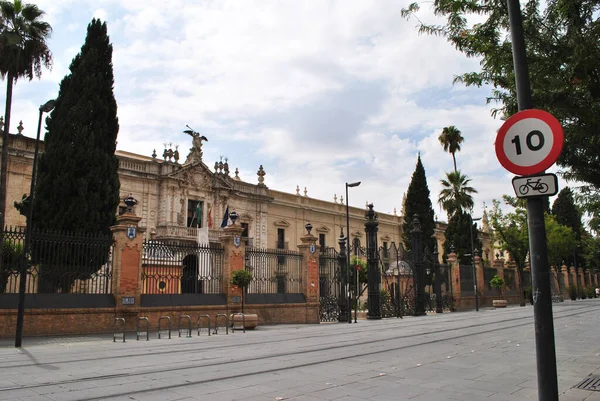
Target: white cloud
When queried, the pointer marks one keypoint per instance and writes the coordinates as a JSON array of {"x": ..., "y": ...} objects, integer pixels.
[{"x": 319, "y": 93}]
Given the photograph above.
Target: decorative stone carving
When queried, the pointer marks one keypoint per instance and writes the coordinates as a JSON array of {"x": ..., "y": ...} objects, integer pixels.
[
  {"x": 195, "y": 154},
  {"x": 261, "y": 175}
]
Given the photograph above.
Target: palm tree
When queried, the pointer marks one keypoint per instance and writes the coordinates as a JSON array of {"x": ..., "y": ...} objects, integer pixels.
[
  {"x": 450, "y": 138},
  {"x": 455, "y": 195},
  {"x": 23, "y": 52}
]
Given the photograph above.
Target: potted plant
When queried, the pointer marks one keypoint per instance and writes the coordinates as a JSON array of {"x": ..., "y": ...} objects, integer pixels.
[
  {"x": 241, "y": 278},
  {"x": 498, "y": 283}
]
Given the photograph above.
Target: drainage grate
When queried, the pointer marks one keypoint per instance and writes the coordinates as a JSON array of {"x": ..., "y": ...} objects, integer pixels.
[{"x": 590, "y": 383}]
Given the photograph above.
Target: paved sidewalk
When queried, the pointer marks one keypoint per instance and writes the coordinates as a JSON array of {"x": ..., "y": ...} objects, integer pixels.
[{"x": 485, "y": 355}]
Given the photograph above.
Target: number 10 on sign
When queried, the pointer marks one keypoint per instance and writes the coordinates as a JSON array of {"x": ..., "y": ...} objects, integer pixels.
[{"x": 529, "y": 142}]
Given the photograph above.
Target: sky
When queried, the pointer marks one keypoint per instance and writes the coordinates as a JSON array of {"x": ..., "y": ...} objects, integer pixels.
[{"x": 318, "y": 92}]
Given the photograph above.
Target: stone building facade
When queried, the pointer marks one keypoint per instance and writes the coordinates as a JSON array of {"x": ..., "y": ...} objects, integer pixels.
[{"x": 171, "y": 195}]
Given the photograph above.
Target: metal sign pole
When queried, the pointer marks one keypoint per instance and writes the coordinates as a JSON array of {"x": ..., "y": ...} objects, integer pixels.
[{"x": 542, "y": 298}]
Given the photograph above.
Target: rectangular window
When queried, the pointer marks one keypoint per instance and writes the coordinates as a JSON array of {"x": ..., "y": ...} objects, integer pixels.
[
  {"x": 322, "y": 242},
  {"x": 194, "y": 213},
  {"x": 122, "y": 209},
  {"x": 385, "y": 250},
  {"x": 246, "y": 230},
  {"x": 281, "y": 238}
]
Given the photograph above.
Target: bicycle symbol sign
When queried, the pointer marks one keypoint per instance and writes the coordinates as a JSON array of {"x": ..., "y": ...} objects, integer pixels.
[
  {"x": 529, "y": 142},
  {"x": 539, "y": 185}
]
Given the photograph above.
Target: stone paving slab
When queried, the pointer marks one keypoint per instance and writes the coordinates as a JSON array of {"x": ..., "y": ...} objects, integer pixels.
[{"x": 485, "y": 355}]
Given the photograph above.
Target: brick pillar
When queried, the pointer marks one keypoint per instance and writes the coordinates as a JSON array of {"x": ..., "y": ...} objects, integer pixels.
[
  {"x": 310, "y": 268},
  {"x": 127, "y": 265},
  {"x": 234, "y": 259},
  {"x": 573, "y": 274},
  {"x": 499, "y": 266},
  {"x": 480, "y": 276},
  {"x": 581, "y": 278},
  {"x": 565, "y": 272},
  {"x": 454, "y": 275},
  {"x": 588, "y": 278},
  {"x": 554, "y": 280}
]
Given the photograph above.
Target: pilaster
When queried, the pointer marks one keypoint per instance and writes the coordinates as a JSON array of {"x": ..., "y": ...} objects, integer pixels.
[
  {"x": 310, "y": 268},
  {"x": 234, "y": 257}
]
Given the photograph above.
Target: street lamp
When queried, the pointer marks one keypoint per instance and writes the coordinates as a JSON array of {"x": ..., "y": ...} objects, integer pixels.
[
  {"x": 348, "y": 302},
  {"x": 45, "y": 108},
  {"x": 473, "y": 260}
]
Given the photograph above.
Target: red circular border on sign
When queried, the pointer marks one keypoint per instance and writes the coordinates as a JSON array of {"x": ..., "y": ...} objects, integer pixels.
[{"x": 557, "y": 132}]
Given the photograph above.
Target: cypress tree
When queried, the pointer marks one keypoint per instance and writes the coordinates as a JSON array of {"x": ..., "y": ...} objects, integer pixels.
[
  {"x": 566, "y": 213},
  {"x": 457, "y": 235},
  {"x": 78, "y": 185},
  {"x": 419, "y": 203}
]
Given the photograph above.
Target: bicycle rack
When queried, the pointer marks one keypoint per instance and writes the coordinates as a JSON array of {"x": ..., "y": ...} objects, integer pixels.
[
  {"x": 217, "y": 323},
  {"x": 233, "y": 315},
  {"x": 189, "y": 324},
  {"x": 147, "y": 328},
  {"x": 207, "y": 321},
  {"x": 115, "y": 332},
  {"x": 168, "y": 319}
]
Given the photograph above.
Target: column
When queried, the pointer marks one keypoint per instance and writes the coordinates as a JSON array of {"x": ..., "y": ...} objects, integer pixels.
[
  {"x": 565, "y": 273},
  {"x": 481, "y": 284},
  {"x": 310, "y": 266},
  {"x": 234, "y": 259},
  {"x": 127, "y": 263},
  {"x": 454, "y": 278},
  {"x": 374, "y": 300}
]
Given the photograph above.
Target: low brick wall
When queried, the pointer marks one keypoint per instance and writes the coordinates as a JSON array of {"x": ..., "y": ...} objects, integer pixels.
[
  {"x": 468, "y": 303},
  {"x": 48, "y": 322}
]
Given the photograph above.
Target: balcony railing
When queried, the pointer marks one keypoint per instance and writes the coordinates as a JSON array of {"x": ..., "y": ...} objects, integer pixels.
[{"x": 191, "y": 233}]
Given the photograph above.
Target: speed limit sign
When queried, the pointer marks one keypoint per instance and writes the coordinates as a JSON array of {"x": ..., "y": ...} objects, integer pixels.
[{"x": 529, "y": 142}]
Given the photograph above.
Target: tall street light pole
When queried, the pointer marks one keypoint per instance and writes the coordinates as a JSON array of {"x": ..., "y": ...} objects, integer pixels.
[
  {"x": 45, "y": 108},
  {"x": 473, "y": 261},
  {"x": 348, "y": 301}
]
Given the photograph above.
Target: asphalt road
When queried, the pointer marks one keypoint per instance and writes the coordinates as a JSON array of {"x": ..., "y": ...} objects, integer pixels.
[{"x": 485, "y": 355}]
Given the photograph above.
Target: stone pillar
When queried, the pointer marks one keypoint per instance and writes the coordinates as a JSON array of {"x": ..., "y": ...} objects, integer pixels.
[
  {"x": 374, "y": 295},
  {"x": 127, "y": 263},
  {"x": 554, "y": 280},
  {"x": 454, "y": 267},
  {"x": 481, "y": 284},
  {"x": 499, "y": 266},
  {"x": 234, "y": 259},
  {"x": 310, "y": 267},
  {"x": 581, "y": 278}
]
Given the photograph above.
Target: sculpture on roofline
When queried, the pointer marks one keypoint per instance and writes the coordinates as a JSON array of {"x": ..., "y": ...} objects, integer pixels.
[{"x": 196, "y": 150}]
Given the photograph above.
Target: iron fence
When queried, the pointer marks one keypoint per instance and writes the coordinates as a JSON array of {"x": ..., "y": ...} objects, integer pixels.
[
  {"x": 59, "y": 262},
  {"x": 329, "y": 285},
  {"x": 274, "y": 271},
  {"x": 467, "y": 286},
  {"x": 509, "y": 280},
  {"x": 176, "y": 267}
]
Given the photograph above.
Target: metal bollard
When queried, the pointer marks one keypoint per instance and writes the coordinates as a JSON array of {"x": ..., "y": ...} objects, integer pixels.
[
  {"x": 115, "y": 332},
  {"x": 137, "y": 328},
  {"x": 217, "y": 323},
  {"x": 189, "y": 324},
  {"x": 207, "y": 321},
  {"x": 233, "y": 315},
  {"x": 168, "y": 319}
]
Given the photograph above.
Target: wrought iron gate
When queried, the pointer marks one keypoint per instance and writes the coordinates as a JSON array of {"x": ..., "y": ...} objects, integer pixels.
[{"x": 329, "y": 285}]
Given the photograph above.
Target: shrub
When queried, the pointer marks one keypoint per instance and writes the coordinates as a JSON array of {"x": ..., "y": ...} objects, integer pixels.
[
  {"x": 572, "y": 292},
  {"x": 241, "y": 278},
  {"x": 497, "y": 282},
  {"x": 590, "y": 292}
]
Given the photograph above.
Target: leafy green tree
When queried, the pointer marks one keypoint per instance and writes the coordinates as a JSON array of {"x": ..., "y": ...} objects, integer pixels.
[
  {"x": 456, "y": 194},
  {"x": 561, "y": 240},
  {"x": 566, "y": 212},
  {"x": 563, "y": 55},
  {"x": 458, "y": 236},
  {"x": 419, "y": 203},
  {"x": 23, "y": 53},
  {"x": 451, "y": 139},
  {"x": 511, "y": 231},
  {"x": 79, "y": 156},
  {"x": 242, "y": 278}
]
